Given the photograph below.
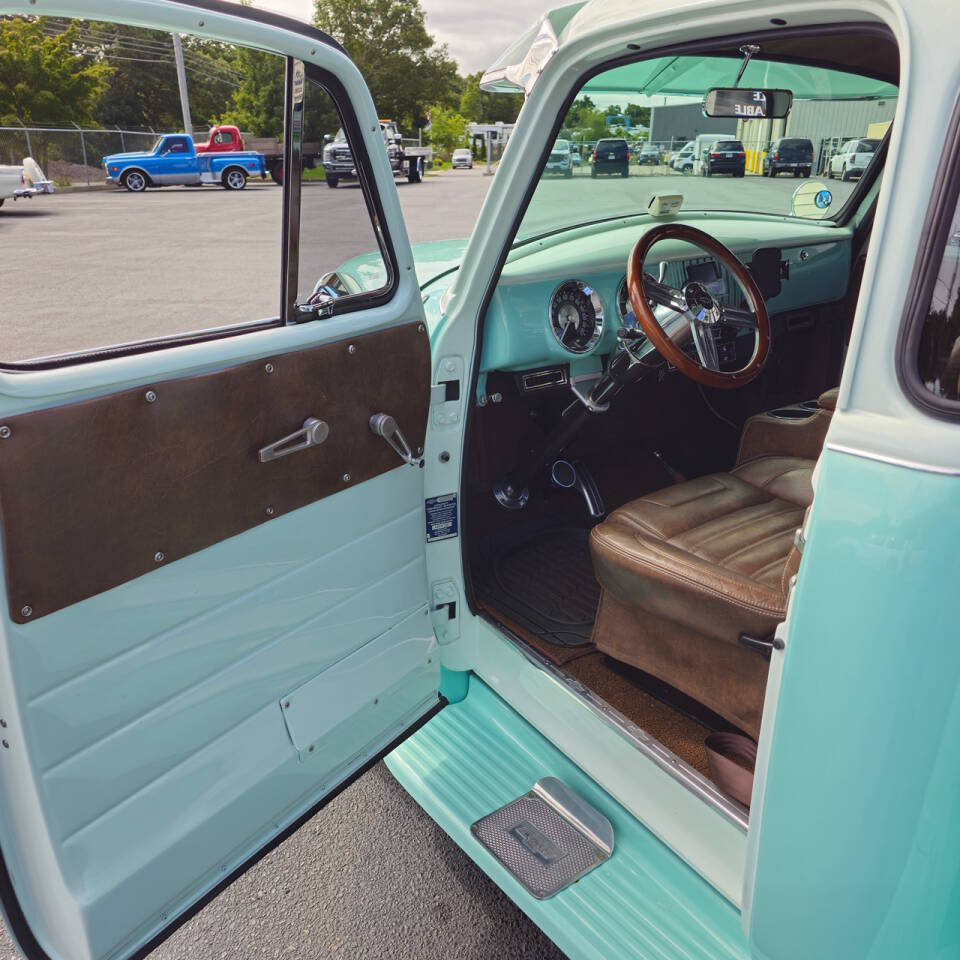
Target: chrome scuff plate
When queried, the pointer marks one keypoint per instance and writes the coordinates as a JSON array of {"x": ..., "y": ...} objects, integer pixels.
[{"x": 547, "y": 838}]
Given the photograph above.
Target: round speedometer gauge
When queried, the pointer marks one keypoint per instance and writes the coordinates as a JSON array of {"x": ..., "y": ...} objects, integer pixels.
[{"x": 576, "y": 316}]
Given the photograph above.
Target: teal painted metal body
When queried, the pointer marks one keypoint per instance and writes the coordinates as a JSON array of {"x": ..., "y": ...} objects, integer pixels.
[
  {"x": 479, "y": 754},
  {"x": 859, "y": 841}
]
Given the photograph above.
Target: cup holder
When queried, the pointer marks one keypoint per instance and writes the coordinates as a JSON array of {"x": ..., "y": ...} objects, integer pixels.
[{"x": 800, "y": 412}]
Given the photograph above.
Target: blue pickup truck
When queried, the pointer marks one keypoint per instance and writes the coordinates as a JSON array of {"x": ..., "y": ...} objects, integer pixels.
[{"x": 173, "y": 160}]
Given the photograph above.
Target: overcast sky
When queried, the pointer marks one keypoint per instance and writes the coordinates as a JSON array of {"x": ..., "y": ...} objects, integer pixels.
[{"x": 476, "y": 33}]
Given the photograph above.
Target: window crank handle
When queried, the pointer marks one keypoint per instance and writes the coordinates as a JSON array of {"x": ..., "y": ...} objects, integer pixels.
[{"x": 383, "y": 425}]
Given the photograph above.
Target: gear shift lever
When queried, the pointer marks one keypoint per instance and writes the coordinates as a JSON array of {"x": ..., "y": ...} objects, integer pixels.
[{"x": 566, "y": 476}]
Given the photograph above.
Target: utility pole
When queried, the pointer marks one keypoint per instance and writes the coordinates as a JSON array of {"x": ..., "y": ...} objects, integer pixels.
[{"x": 182, "y": 81}]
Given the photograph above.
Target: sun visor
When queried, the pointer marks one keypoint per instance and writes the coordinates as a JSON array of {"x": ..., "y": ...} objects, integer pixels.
[{"x": 516, "y": 70}]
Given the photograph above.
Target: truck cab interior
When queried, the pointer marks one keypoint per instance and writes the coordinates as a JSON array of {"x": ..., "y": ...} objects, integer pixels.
[{"x": 654, "y": 389}]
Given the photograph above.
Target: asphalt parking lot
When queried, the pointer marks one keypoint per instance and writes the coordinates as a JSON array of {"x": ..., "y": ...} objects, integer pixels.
[
  {"x": 205, "y": 257},
  {"x": 195, "y": 257},
  {"x": 370, "y": 876}
]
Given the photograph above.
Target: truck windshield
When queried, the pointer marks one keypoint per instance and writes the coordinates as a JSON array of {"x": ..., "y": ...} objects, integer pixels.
[{"x": 655, "y": 105}]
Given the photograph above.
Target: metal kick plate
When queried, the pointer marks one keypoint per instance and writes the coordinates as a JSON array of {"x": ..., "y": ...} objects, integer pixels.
[{"x": 548, "y": 838}]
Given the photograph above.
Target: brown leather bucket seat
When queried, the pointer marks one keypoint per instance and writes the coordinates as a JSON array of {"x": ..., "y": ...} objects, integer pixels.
[{"x": 688, "y": 569}]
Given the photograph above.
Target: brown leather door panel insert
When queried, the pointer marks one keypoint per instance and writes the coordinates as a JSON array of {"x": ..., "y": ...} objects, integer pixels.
[{"x": 96, "y": 493}]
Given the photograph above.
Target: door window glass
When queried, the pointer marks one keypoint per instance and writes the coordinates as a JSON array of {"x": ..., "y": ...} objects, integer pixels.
[
  {"x": 340, "y": 242},
  {"x": 939, "y": 357},
  {"x": 133, "y": 245}
]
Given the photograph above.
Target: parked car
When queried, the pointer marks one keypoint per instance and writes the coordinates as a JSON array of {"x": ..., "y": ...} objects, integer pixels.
[
  {"x": 649, "y": 156},
  {"x": 724, "y": 156},
  {"x": 682, "y": 159},
  {"x": 680, "y": 687},
  {"x": 792, "y": 154},
  {"x": 405, "y": 161},
  {"x": 20, "y": 181},
  {"x": 462, "y": 158},
  {"x": 173, "y": 160},
  {"x": 611, "y": 155},
  {"x": 703, "y": 143},
  {"x": 560, "y": 159},
  {"x": 852, "y": 159}
]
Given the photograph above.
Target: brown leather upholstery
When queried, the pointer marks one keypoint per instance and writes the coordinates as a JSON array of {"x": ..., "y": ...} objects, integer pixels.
[
  {"x": 688, "y": 569},
  {"x": 828, "y": 399}
]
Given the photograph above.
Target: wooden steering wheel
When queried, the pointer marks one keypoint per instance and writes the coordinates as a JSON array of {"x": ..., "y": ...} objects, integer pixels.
[{"x": 696, "y": 315}]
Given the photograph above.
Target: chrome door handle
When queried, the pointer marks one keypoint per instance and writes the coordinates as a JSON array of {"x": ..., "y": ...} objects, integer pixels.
[{"x": 311, "y": 434}]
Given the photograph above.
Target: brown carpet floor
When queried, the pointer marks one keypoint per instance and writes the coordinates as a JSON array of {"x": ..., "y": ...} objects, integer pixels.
[{"x": 676, "y": 731}]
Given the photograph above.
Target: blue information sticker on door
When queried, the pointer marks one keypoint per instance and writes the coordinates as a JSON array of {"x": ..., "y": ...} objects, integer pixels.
[{"x": 441, "y": 517}]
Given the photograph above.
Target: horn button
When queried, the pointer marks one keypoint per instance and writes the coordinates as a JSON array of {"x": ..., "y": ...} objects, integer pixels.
[{"x": 703, "y": 308}]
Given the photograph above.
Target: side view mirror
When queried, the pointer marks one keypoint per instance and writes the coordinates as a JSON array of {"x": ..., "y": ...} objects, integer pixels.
[
  {"x": 327, "y": 138},
  {"x": 397, "y": 137}
]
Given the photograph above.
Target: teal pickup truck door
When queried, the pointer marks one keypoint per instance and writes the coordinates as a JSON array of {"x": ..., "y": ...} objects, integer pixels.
[{"x": 213, "y": 611}]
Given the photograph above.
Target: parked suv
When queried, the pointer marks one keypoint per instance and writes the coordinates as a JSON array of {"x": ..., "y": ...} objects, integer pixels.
[
  {"x": 560, "y": 159},
  {"x": 794, "y": 154},
  {"x": 682, "y": 160},
  {"x": 852, "y": 159},
  {"x": 724, "y": 156},
  {"x": 611, "y": 156},
  {"x": 462, "y": 158},
  {"x": 649, "y": 156}
]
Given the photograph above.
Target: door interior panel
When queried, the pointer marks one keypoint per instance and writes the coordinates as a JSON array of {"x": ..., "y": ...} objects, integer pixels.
[
  {"x": 153, "y": 713},
  {"x": 99, "y": 492}
]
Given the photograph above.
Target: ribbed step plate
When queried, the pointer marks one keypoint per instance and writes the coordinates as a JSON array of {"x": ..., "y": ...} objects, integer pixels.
[{"x": 548, "y": 838}]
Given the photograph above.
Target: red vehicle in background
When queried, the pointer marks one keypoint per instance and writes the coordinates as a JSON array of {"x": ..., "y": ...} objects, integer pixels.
[
  {"x": 223, "y": 139},
  {"x": 226, "y": 138}
]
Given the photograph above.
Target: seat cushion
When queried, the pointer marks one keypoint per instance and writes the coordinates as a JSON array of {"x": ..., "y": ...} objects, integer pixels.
[{"x": 710, "y": 554}]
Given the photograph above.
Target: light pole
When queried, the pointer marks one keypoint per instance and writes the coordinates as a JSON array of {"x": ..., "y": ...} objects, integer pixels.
[{"x": 182, "y": 81}]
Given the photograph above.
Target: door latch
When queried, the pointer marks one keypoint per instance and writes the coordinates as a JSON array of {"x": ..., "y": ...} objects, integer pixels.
[
  {"x": 311, "y": 434},
  {"x": 383, "y": 425}
]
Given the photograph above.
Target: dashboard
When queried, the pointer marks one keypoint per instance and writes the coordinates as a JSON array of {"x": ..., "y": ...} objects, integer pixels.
[{"x": 561, "y": 299}]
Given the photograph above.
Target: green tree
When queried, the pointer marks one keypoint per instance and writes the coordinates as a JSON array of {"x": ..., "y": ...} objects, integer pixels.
[
  {"x": 639, "y": 116},
  {"x": 401, "y": 62},
  {"x": 448, "y": 130},
  {"x": 256, "y": 105},
  {"x": 42, "y": 77},
  {"x": 478, "y": 106}
]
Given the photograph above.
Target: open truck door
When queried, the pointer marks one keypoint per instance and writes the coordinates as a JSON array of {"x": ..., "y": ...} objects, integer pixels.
[{"x": 214, "y": 609}]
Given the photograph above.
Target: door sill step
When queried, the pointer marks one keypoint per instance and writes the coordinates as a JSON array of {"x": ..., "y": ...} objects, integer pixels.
[
  {"x": 478, "y": 755},
  {"x": 547, "y": 838}
]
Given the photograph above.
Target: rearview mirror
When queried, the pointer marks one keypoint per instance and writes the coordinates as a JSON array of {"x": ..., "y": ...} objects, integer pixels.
[{"x": 747, "y": 103}]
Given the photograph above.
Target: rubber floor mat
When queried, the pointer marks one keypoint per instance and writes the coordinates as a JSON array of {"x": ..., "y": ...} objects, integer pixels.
[{"x": 543, "y": 581}]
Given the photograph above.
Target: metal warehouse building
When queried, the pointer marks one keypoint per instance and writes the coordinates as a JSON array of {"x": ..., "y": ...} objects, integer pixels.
[
  {"x": 673, "y": 125},
  {"x": 825, "y": 123}
]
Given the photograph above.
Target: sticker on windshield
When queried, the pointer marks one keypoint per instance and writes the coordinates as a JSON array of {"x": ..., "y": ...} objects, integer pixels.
[{"x": 441, "y": 517}]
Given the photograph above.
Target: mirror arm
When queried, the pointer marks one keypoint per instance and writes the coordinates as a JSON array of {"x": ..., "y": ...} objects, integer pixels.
[{"x": 748, "y": 50}]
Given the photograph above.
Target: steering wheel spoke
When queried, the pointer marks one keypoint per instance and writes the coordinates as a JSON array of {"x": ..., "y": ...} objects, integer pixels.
[
  {"x": 705, "y": 344},
  {"x": 664, "y": 295},
  {"x": 739, "y": 317}
]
